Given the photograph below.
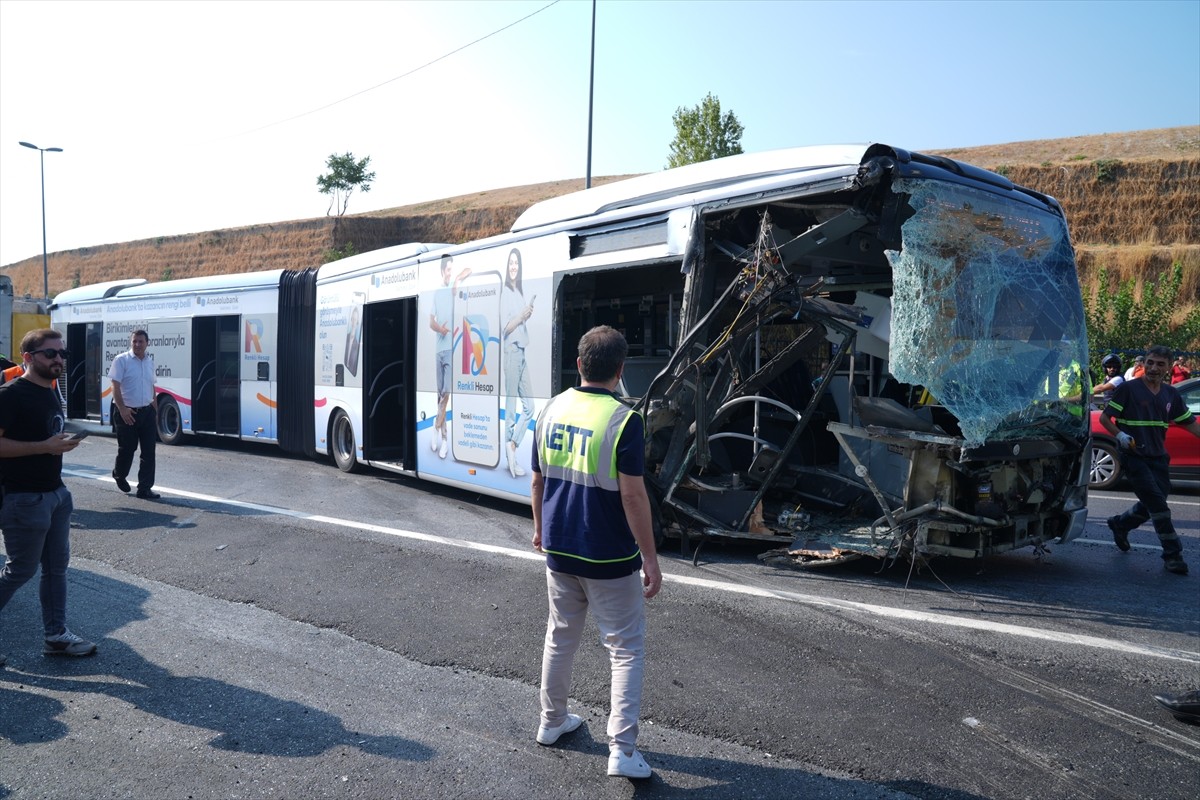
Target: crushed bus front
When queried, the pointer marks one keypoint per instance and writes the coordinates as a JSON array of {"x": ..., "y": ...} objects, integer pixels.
[{"x": 887, "y": 366}]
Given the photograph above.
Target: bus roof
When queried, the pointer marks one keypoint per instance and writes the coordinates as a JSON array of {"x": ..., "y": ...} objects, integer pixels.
[
  {"x": 96, "y": 291},
  {"x": 684, "y": 180},
  {"x": 209, "y": 283},
  {"x": 371, "y": 258}
]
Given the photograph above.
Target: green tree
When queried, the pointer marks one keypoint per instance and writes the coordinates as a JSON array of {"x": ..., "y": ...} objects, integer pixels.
[
  {"x": 702, "y": 133},
  {"x": 1116, "y": 320},
  {"x": 338, "y": 253},
  {"x": 344, "y": 176}
]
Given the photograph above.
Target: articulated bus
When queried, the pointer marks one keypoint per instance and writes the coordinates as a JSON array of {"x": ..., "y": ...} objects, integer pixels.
[{"x": 849, "y": 350}]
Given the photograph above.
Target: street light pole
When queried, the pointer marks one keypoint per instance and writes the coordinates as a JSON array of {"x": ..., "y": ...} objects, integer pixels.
[
  {"x": 591, "y": 92},
  {"x": 45, "y": 263}
]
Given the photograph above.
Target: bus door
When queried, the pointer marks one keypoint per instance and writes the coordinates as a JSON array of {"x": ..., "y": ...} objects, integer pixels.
[
  {"x": 85, "y": 368},
  {"x": 216, "y": 363},
  {"x": 389, "y": 381}
]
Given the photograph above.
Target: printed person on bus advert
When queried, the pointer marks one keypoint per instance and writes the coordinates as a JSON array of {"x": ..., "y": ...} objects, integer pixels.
[
  {"x": 353, "y": 339},
  {"x": 441, "y": 320},
  {"x": 136, "y": 417},
  {"x": 36, "y": 512},
  {"x": 591, "y": 517},
  {"x": 515, "y": 312},
  {"x": 1138, "y": 415}
]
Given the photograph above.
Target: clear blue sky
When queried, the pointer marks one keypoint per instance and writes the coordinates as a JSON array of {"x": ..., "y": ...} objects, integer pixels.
[{"x": 180, "y": 116}]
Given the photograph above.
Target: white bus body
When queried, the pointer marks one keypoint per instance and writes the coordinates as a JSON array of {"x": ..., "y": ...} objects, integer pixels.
[
  {"x": 213, "y": 341},
  {"x": 811, "y": 330}
]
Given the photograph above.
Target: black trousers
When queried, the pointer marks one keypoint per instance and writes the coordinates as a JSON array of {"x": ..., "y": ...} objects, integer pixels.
[
  {"x": 1151, "y": 482},
  {"x": 142, "y": 433}
]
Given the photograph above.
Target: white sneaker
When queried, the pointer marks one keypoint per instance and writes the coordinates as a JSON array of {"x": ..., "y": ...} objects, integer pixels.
[
  {"x": 68, "y": 644},
  {"x": 551, "y": 735},
  {"x": 435, "y": 439},
  {"x": 445, "y": 447},
  {"x": 627, "y": 766},
  {"x": 514, "y": 466}
]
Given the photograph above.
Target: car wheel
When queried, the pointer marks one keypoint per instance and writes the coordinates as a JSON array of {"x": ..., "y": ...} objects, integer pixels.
[{"x": 1106, "y": 465}]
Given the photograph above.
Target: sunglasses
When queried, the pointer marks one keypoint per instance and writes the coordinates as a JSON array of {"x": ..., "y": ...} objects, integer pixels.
[{"x": 50, "y": 352}]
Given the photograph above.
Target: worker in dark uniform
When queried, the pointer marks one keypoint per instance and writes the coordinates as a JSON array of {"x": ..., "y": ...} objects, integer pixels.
[{"x": 1138, "y": 416}]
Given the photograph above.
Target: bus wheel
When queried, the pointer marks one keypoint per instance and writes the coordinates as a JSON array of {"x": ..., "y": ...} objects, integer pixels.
[
  {"x": 341, "y": 443},
  {"x": 170, "y": 423}
]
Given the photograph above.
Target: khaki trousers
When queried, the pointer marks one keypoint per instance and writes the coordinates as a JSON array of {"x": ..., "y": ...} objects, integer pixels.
[{"x": 617, "y": 606}]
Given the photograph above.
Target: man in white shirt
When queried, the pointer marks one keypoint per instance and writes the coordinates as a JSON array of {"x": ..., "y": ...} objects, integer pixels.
[{"x": 135, "y": 414}]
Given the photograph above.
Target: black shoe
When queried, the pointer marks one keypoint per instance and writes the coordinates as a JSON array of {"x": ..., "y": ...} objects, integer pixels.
[
  {"x": 122, "y": 484},
  {"x": 1119, "y": 536},
  {"x": 148, "y": 495},
  {"x": 1185, "y": 707},
  {"x": 1176, "y": 565}
]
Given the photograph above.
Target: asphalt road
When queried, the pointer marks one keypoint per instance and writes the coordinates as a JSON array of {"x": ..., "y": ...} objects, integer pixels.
[{"x": 274, "y": 628}]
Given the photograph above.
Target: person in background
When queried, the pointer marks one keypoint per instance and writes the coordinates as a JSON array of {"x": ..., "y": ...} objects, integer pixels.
[
  {"x": 591, "y": 517},
  {"x": 1138, "y": 416},
  {"x": 1180, "y": 371},
  {"x": 136, "y": 414},
  {"x": 1112, "y": 379},
  {"x": 9, "y": 370},
  {"x": 36, "y": 511},
  {"x": 515, "y": 311},
  {"x": 1136, "y": 368}
]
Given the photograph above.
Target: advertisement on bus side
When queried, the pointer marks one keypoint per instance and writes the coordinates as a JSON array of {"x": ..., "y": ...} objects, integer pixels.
[
  {"x": 171, "y": 348},
  {"x": 258, "y": 378},
  {"x": 483, "y": 363}
]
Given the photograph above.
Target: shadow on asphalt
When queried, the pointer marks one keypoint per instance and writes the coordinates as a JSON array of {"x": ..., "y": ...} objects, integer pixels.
[
  {"x": 725, "y": 779},
  {"x": 244, "y": 720}
]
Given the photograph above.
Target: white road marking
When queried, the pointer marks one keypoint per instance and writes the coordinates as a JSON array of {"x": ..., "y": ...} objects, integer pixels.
[
  {"x": 1174, "y": 499},
  {"x": 886, "y": 612},
  {"x": 1149, "y": 548}
]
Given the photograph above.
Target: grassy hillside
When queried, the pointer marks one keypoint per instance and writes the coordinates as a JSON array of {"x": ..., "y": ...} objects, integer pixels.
[{"x": 1131, "y": 201}]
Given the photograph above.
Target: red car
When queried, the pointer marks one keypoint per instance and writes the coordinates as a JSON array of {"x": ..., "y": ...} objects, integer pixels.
[{"x": 1183, "y": 447}]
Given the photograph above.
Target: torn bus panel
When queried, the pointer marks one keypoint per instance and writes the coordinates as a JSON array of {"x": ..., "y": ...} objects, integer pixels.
[{"x": 881, "y": 367}]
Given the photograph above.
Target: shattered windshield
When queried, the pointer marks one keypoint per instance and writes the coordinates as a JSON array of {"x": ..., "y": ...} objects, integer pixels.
[{"x": 987, "y": 313}]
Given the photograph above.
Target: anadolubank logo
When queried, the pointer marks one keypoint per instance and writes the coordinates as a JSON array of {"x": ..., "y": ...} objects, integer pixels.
[
  {"x": 227, "y": 300},
  {"x": 474, "y": 344}
]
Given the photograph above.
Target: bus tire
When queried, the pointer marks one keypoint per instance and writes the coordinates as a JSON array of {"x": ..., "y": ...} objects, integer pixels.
[
  {"x": 341, "y": 443},
  {"x": 170, "y": 422}
]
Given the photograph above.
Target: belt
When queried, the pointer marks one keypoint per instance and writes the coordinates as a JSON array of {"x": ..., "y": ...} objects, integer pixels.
[{"x": 137, "y": 408}]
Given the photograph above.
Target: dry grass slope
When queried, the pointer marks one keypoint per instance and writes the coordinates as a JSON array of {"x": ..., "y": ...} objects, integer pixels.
[{"x": 1131, "y": 201}]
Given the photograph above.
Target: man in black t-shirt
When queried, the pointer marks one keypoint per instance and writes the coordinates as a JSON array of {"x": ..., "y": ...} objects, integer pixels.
[
  {"x": 36, "y": 511},
  {"x": 1138, "y": 415}
]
